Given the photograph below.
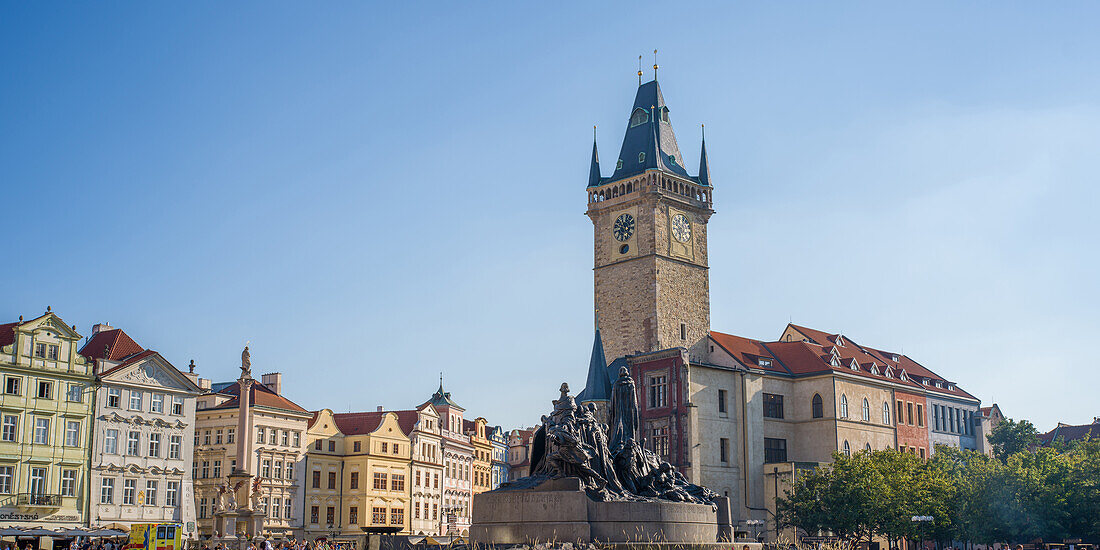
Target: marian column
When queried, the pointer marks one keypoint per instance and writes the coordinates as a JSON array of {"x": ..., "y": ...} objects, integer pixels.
[{"x": 240, "y": 521}]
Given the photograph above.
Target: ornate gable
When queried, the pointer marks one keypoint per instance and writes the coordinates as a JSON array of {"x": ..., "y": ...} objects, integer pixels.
[{"x": 151, "y": 370}]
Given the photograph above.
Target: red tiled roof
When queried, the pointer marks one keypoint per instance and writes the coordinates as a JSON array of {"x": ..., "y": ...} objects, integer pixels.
[
  {"x": 7, "y": 334},
  {"x": 361, "y": 423},
  {"x": 745, "y": 350},
  {"x": 115, "y": 340},
  {"x": 130, "y": 361},
  {"x": 258, "y": 394},
  {"x": 1071, "y": 433}
]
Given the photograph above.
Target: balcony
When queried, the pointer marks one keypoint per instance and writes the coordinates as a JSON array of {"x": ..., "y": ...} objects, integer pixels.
[{"x": 37, "y": 500}]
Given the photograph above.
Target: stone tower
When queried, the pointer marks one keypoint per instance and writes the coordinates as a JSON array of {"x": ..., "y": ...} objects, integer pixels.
[{"x": 650, "y": 221}]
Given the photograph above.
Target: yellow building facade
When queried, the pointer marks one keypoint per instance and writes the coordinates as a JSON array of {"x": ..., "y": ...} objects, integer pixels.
[
  {"x": 481, "y": 479},
  {"x": 45, "y": 418},
  {"x": 358, "y": 470}
]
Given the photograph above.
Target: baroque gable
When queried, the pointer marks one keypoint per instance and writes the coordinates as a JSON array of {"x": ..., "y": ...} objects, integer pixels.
[{"x": 153, "y": 371}]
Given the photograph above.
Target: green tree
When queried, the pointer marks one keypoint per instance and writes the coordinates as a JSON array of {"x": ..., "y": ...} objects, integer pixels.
[{"x": 1009, "y": 438}]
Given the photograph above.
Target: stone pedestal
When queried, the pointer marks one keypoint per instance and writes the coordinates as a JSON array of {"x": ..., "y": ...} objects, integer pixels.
[{"x": 558, "y": 510}]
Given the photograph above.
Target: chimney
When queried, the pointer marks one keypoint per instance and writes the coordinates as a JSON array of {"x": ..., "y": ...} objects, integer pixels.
[
  {"x": 204, "y": 383},
  {"x": 273, "y": 381},
  {"x": 380, "y": 409},
  {"x": 101, "y": 327}
]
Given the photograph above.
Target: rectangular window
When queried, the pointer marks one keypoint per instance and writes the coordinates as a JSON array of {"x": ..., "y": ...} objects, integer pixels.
[
  {"x": 172, "y": 494},
  {"x": 11, "y": 427},
  {"x": 660, "y": 441},
  {"x": 53, "y": 352},
  {"x": 41, "y": 431},
  {"x": 286, "y": 509},
  {"x": 297, "y": 439},
  {"x": 114, "y": 398},
  {"x": 773, "y": 405},
  {"x": 353, "y": 515},
  {"x": 330, "y": 515},
  {"x": 378, "y": 516},
  {"x": 724, "y": 450},
  {"x": 909, "y": 413},
  {"x": 316, "y": 479},
  {"x": 397, "y": 482},
  {"x": 683, "y": 331},
  {"x": 276, "y": 504},
  {"x": 151, "y": 493},
  {"x": 260, "y": 434},
  {"x": 156, "y": 403},
  {"x": 6, "y": 474},
  {"x": 205, "y": 469},
  {"x": 206, "y": 437},
  {"x": 38, "y": 481},
  {"x": 920, "y": 415},
  {"x": 265, "y": 468},
  {"x": 332, "y": 480},
  {"x": 177, "y": 405},
  {"x": 397, "y": 516},
  {"x": 380, "y": 481},
  {"x": 274, "y": 437},
  {"x": 289, "y": 470},
  {"x": 107, "y": 491},
  {"x": 202, "y": 508},
  {"x": 154, "y": 444},
  {"x": 72, "y": 433},
  {"x": 174, "y": 444},
  {"x": 416, "y": 480},
  {"x": 286, "y": 438},
  {"x": 385, "y": 447},
  {"x": 318, "y": 445},
  {"x": 230, "y": 435},
  {"x": 357, "y": 446},
  {"x": 40, "y": 350},
  {"x": 75, "y": 393},
  {"x": 314, "y": 514},
  {"x": 658, "y": 392},
  {"x": 133, "y": 444},
  {"x": 129, "y": 490},
  {"x": 68, "y": 483},
  {"x": 721, "y": 401},
  {"x": 278, "y": 469},
  {"x": 951, "y": 416},
  {"x": 355, "y": 480},
  {"x": 44, "y": 389},
  {"x": 217, "y": 469},
  {"x": 110, "y": 441},
  {"x": 135, "y": 400},
  {"x": 922, "y": 452},
  {"x": 11, "y": 385},
  {"x": 775, "y": 450}
]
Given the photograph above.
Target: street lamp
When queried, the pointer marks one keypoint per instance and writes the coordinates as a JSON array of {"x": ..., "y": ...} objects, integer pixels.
[{"x": 919, "y": 520}]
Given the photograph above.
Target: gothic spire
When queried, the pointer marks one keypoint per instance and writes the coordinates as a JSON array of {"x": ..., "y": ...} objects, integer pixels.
[
  {"x": 594, "y": 172},
  {"x": 649, "y": 143},
  {"x": 704, "y": 170},
  {"x": 597, "y": 387}
]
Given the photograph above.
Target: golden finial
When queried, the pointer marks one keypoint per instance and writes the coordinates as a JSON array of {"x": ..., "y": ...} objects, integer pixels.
[
  {"x": 639, "y": 70},
  {"x": 654, "y": 64}
]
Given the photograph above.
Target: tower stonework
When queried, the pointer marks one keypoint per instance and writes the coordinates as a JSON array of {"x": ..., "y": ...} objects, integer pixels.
[{"x": 650, "y": 238}]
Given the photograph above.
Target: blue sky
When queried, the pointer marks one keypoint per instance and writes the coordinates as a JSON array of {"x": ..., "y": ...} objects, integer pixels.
[{"x": 372, "y": 193}]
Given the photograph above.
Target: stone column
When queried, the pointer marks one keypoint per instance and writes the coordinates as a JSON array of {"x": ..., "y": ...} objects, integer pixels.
[{"x": 244, "y": 426}]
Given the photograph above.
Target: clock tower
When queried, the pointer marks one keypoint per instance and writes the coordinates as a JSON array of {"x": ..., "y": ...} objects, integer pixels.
[{"x": 650, "y": 218}]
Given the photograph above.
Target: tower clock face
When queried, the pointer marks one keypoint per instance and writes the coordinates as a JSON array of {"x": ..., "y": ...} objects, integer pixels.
[
  {"x": 681, "y": 228},
  {"x": 624, "y": 227}
]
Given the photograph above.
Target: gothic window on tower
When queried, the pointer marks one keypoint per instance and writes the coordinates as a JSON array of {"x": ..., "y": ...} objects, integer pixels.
[
  {"x": 664, "y": 114},
  {"x": 641, "y": 158},
  {"x": 639, "y": 117},
  {"x": 658, "y": 392}
]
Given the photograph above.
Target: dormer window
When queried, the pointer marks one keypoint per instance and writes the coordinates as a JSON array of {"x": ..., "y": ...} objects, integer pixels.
[
  {"x": 672, "y": 160},
  {"x": 904, "y": 377},
  {"x": 619, "y": 165},
  {"x": 664, "y": 114},
  {"x": 834, "y": 362},
  {"x": 889, "y": 372},
  {"x": 853, "y": 365},
  {"x": 641, "y": 158},
  {"x": 895, "y": 358},
  {"x": 764, "y": 362},
  {"x": 638, "y": 117},
  {"x": 874, "y": 369},
  {"x": 939, "y": 384}
]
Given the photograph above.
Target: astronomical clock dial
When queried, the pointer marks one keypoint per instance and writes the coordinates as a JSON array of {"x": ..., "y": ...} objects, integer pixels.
[
  {"x": 681, "y": 228},
  {"x": 624, "y": 227}
]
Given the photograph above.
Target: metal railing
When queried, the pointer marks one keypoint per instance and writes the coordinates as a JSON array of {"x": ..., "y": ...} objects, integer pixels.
[{"x": 37, "y": 499}]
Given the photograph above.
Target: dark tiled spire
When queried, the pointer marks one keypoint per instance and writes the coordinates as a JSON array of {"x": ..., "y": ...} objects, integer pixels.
[
  {"x": 704, "y": 170},
  {"x": 649, "y": 143},
  {"x": 594, "y": 175},
  {"x": 598, "y": 386}
]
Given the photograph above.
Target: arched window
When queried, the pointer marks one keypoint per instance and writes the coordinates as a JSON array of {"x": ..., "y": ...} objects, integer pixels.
[
  {"x": 847, "y": 448},
  {"x": 639, "y": 116},
  {"x": 866, "y": 412},
  {"x": 868, "y": 447},
  {"x": 886, "y": 413},
  {"x": 816, "y": 405},
  {"x": 843, "y": 406}
]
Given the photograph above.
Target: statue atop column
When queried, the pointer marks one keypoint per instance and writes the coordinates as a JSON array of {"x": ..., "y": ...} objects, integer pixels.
[{"x": 246, "y": 363}]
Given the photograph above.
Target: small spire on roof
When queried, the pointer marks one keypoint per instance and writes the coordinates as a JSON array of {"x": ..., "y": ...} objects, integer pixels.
[
  {"x": 594, "y": 175},
  {"x": 639, "y": 70},
  {"x": 704, "y": 168}
]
